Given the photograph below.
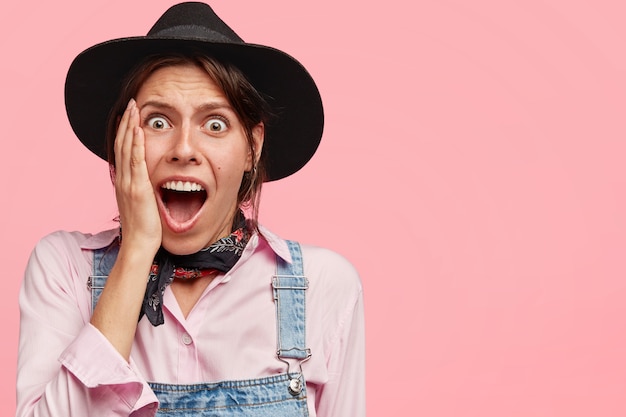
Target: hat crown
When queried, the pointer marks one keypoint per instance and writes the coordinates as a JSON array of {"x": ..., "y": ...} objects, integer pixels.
[{"x": 193, "y": 20}]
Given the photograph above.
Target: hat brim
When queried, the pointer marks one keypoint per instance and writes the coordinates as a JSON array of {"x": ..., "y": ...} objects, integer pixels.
[{"x": 94, "y": 80}]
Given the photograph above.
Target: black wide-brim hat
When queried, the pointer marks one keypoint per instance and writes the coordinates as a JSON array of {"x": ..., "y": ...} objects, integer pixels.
[{"x": 94, "y": 81}]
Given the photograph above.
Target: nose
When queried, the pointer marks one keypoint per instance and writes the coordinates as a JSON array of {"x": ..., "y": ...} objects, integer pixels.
[{"x": 183, "y": 149}]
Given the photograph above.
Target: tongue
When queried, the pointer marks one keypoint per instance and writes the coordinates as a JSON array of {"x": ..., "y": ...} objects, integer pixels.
[{"x": 182, "y": 206}]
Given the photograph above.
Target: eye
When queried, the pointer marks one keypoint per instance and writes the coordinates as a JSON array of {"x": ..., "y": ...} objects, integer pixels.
[
  {"x": 216, "y": 125},
  {"x": 158, "y": 123}
]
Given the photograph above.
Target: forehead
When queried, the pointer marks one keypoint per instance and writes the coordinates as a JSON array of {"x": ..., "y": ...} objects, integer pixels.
[{"x": 180, "y": 81}]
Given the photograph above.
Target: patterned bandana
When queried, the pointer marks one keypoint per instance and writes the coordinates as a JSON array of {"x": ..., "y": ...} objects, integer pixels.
[{"x": 221, "y": 256}]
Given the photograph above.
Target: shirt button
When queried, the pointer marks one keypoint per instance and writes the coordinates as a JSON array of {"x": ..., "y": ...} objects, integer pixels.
[{"x": 187, "y": 339}]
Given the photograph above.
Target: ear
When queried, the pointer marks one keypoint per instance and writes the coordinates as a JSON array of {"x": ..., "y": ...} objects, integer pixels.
[{"x": 258, "y": 136}]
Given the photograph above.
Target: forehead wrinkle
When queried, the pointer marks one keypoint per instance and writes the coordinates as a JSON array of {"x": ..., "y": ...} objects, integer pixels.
[
  {"x": 185, "y": 86},
  {"x": 157, "y": 104},
  {"x": 217, "y": 105}
]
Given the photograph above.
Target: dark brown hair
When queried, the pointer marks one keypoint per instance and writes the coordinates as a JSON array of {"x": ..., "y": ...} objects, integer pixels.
[{"x": 249, "y": 105}]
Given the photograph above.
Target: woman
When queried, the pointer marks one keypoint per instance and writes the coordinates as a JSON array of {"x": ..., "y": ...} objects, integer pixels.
[{"x": 233, "y": 320}]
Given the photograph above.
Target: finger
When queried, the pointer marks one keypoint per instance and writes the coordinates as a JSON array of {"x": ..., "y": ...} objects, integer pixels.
[
  {"x": 139, "y": 169},
  {"x": 127, "y": 144},
  {"x": 119, "y": 138}
]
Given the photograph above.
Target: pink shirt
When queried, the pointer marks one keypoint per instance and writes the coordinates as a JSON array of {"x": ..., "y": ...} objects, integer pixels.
[{"x": 66, "y": 367}]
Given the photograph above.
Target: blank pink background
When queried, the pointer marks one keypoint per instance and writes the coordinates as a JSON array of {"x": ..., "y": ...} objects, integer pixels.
[{"x": 471, "y": 168}]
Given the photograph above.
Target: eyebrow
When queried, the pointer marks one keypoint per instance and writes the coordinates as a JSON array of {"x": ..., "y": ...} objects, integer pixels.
[{"x": 203, "y": 107}]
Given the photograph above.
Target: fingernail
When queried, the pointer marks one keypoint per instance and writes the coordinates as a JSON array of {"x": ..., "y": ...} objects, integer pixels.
[{"x": 130, "y": 103}]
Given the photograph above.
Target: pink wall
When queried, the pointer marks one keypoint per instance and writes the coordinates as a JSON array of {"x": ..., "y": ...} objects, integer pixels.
[{"x": 471, "y": 168}]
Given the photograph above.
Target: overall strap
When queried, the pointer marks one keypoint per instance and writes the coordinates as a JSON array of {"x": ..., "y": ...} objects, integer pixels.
[
  {"x": 103, "y": 261},
  {"x": 290, "y": 285}
]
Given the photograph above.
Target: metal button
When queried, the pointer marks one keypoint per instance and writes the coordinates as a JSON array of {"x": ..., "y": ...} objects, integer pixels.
[
  {"x": 187, "y": 339},
  {"x": 295, "y": 386}
]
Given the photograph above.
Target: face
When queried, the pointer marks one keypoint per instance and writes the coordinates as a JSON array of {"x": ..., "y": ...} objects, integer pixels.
[{"x": 196, "y": 154}]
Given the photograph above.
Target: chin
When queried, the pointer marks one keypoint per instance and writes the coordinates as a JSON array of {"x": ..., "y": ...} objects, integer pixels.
[{"x": 181, "y": 245}]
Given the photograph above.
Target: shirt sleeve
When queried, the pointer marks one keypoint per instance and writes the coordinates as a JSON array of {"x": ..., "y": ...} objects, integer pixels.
[
  {"x": 66, "y": 367},
  {"x": 344, "y": 392}
]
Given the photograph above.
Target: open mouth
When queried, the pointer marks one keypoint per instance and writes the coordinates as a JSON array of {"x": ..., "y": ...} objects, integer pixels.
[{"x": 182, "y": 199}]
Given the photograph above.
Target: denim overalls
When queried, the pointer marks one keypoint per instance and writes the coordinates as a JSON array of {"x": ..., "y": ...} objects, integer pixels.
[{"x": 282, "y": 395}]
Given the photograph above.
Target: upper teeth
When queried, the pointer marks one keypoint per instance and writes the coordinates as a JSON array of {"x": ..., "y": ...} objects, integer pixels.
[{"x": 182, "y": 186}]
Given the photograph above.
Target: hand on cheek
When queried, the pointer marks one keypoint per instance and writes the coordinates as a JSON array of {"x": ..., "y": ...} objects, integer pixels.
[{"x": 134, "y": 192}]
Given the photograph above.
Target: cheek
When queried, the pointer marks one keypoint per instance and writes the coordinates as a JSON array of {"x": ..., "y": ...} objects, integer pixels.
[
  {"x": 228, "y": 175},
  {"x": 228, "y": 171},
  {"x": 230, "y": 163}
]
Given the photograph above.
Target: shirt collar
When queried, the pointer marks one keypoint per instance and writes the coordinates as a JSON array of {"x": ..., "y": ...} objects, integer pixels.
[
  {"x": 100, "y": 240},
  {"x": 277, "y": 244}
]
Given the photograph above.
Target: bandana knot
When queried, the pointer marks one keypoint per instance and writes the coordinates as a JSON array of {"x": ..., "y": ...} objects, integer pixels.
[{"x": 220, "y": 256}]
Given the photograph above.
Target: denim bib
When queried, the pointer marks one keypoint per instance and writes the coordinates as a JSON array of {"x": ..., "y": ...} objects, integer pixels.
[{"x": 282, "y": 395}]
